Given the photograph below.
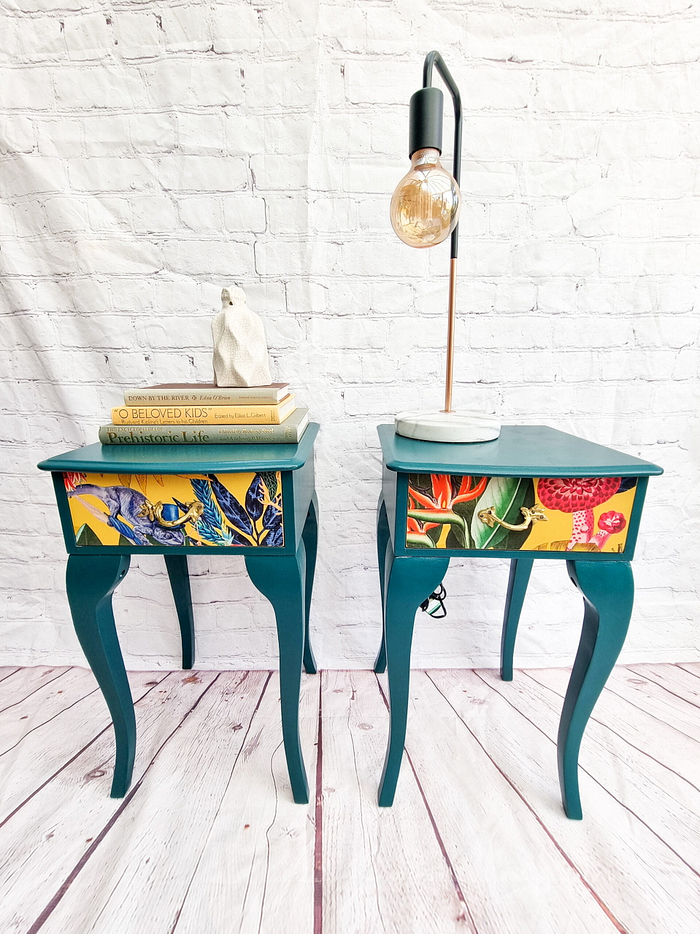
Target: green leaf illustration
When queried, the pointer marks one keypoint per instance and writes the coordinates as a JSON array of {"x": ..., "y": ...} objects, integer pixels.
[
  {"x": 466, "y": 511},
  {"x": 86, "y": 536},
  {"x": 514, "y": 541},
  {"x": 506, "y": 495},
  {"x": 458, "y": 538},
  {"x": 420, "y": 481},
  {"x": 456, "y": 523},
  {"x": 270, "y": 478},
  {"x": 429, "y": 515},
  {"x": 418, "y": 540}
]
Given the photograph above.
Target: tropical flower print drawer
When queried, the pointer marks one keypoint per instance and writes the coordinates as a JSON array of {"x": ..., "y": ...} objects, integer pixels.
[
  {"x": 519, "y": 513},
  {"x": 197, "y": 510}
]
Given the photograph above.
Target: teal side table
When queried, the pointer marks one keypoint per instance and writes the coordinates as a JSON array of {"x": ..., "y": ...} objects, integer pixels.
[
  {"x": 533, "y": 493},
  {"x": 257, "y": 500}
]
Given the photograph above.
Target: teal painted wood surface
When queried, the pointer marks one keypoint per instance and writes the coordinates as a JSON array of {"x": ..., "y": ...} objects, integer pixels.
[
  {"x": 520, "y": 570},
  {"x": 608, "y": 595},
  {"x": 407, "y": 583},
  {"x": 191, "y": 458},
  {"x": 383, "y": 539},
  {"x": 297, "y": 485},
  {"x": 90, "y": 583},
  {"x": 603, "y": 578},
  {"x": 520, "y": 451},
  {"x": 176, "y": 566},
  {"x": 301, "y": 485},
  {"x": 393, "y": 496},
  {"x": 310, "y": 539},
  {"x": 284, "y": 574},
  {"x": 282, "y": 579}
]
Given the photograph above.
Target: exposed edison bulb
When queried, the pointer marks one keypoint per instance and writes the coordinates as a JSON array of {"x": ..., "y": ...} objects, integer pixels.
[{"x": 425, "y": 205}]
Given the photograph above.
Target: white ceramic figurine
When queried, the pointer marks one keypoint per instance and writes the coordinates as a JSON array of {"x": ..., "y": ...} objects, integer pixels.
[{"x": 240, "y": 349}]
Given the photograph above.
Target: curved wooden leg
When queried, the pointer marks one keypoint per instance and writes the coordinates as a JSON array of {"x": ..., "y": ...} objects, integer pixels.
[
  {"x": 383, "y": 536},
  {"x": 608, "y": 593},
  {"x": 309, "y": 536},
  {"x": 282, "y": 580},
  {"x": 180, "y": 584},
  {"x": 90, "y": 583},
  {"x": 520, "y": 569},
  {"x": 408, "y": 581}
]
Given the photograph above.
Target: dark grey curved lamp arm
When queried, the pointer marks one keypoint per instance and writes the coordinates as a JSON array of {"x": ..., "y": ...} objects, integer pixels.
[{"x": 434, "y": 60}]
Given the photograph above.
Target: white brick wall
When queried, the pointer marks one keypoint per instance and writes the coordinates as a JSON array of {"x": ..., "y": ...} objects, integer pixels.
[{"x": 151, "y": 153}]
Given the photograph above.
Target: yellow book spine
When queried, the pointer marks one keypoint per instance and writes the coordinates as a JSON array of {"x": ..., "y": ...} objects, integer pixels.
[{"x": 201, "y": 414}]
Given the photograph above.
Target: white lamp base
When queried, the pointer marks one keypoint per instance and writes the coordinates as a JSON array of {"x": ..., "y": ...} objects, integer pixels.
[{"x": 451, "y": 427}]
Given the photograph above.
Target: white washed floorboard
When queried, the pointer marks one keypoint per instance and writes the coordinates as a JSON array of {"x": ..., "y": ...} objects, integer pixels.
[
  {"x": 53, "y": 831},
  {"x": 675, "y": 679},
  {"x": 636, "y": 875},
  {"x": 383, "y": 870},
  {"x": 664, "y": 800},
  {"x": 44, "y": 749},
  {"x": 40, "y": 707},
  {"x": 490, "y": 833},
  {"x": 653, "y": 698},
  {"x": 25, "y": 682},
  {"x": 210, "y": 842},
  {"x": 255, "y": 873},
  {"x": 642, "y": 729},
  {"x": 147, "y": 859}
]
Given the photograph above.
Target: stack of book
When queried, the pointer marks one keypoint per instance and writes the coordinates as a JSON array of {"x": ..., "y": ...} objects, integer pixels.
[{"x": 202, "y": 413}]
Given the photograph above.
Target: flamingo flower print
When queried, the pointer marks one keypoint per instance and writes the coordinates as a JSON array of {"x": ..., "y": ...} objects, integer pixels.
[{"x": 610, "y": 523}]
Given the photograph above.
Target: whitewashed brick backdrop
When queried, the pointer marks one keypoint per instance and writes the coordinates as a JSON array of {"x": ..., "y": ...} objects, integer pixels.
[{"x": 152, "y": 152}]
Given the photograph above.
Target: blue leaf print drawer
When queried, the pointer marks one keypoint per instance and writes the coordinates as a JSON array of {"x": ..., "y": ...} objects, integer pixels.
[{"x": 197, "y": 510}]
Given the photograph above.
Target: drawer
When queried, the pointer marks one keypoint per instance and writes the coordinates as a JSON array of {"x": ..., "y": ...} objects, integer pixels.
[
  {"x": 161, "y": 510},
  {"x": 458, "y": 512}
]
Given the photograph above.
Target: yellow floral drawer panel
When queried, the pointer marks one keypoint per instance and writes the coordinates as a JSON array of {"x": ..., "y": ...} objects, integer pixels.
[
  {"x": 518, "y": 513},
  {"x": 236, "y": 509}
]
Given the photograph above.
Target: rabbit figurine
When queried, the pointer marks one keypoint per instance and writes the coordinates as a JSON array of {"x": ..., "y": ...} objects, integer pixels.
[{"x": 240, "y": 349}]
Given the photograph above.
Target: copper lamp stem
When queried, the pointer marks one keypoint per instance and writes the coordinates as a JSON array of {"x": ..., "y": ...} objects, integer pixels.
[{"x": 450, "y": 334}]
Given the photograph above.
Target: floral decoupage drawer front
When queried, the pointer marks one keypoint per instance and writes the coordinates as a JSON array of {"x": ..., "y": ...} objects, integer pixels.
[
  {"x": 198, "y": 510},
  {"x": 519, "y": 514}
]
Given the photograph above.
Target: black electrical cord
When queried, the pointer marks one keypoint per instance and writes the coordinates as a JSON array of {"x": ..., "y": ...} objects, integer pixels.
[{"x": 434, "y": 605}]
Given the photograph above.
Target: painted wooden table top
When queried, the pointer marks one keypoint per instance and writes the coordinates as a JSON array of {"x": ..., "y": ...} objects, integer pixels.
[
  {"x": 521, "y": 450},
  {"x": 174, "y": 458}
]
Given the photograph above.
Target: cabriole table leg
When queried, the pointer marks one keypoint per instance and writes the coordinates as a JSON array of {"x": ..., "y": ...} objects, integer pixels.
[
  {"x": 282, "y": 579},
  {"x": 520, "y": 569},
  {"x": 180, "y": 584},
  {"x": 408, "y": 582},
  {"x": 309, "y": 536},
  {"x": 90, "y": 583},
  {"x": 383, "y": 536},
  {"x": 608, "y": 594}
]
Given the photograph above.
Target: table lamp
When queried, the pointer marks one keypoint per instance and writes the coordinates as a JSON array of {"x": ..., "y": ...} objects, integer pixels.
[{"x": 424, "y": 212}]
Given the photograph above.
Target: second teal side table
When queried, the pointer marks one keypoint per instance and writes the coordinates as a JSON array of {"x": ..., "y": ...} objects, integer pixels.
[
  {"x": 255, "y": 500},
  {"x": 533, "y": 493}
]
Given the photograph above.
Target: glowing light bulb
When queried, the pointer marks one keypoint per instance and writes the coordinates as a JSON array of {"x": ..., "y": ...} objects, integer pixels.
[{"x": 425, "y": 205}]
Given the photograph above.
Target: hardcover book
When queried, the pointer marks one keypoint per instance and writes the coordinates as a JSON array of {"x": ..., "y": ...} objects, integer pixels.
[
  {"x": 208, "y": 393},
  {"x": 204, "y": 414},
  {"x": 289, "y": 432}
]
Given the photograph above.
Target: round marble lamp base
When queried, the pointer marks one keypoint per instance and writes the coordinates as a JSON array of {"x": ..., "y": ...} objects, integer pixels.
[{"x": 450, "y": 427}]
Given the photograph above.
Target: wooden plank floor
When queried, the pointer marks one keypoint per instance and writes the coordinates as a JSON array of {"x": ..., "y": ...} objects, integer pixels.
[{"x": 208, "y": 840}]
